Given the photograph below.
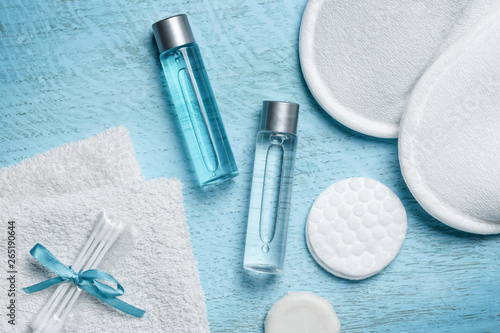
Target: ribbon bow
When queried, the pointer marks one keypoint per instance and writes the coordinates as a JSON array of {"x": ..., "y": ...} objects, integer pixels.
[{"x": 86, "y": 280}]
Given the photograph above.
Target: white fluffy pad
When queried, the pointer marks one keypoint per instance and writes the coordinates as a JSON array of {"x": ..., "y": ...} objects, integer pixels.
[
  {"x": 449, "y": 145},
  {"x": 356, "y": 228},
  {"x": 302, "y": 312},
  {"x": 361, "y": 59}
]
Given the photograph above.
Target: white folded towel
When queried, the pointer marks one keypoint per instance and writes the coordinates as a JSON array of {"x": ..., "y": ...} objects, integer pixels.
[
  {"x": 106, "y": 158},
  {"x": 159, "y": 273}
]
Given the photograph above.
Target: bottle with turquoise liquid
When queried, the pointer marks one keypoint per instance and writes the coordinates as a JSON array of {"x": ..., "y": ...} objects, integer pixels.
[
  {"x": 194, "y": 101},
  {"x": 271, "y": 192}
]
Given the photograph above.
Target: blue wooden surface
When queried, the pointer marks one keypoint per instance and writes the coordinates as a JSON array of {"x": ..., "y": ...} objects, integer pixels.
[{"x": 69, "y": 69}]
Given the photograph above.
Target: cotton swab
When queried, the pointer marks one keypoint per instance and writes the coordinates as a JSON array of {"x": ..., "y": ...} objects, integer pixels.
[
  {"x": 105, "y": 233},
  {"x": 79, "y": 262},
  {"x": 57, "y": 321},
  {"x": 100, "y": 240}
]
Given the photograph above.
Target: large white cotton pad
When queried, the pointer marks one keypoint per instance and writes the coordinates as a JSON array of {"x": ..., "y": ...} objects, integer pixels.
[
  {"x": 449, "y": 145},
  {"x": 355, "y": 228},
  {"x": 302, "y": 312},
  {"x": 361, "y": 59}
]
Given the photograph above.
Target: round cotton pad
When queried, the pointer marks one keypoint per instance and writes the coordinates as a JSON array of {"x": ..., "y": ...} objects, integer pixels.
[
  {"x": 362, "y": 58},
  {"x": 449, "y": 146},
  {"x": 356, "y": 228},
  {"x": 302, "y": 312}
]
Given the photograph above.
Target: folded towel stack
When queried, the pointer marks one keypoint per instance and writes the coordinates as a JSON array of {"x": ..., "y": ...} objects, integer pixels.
[{"x": 54, "y": 199}]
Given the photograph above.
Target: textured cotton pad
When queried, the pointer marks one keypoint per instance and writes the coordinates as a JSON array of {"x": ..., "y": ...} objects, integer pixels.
[
  {"x": 356, "y": 228},
  {"x": 361, "y": 59},
  {"x": 302, "y": 312},
  {"x": 449, "y": 146}
]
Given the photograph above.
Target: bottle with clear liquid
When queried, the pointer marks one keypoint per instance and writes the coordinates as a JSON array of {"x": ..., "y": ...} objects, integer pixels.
[
  {"x": 271, "y": 188},
  {"x": 194, "y": 101}
]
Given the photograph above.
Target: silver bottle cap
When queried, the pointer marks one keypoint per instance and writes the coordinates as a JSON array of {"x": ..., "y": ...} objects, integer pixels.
[
  {"x": 172, "y": 32},
  {"x": 279, "y": 117}
]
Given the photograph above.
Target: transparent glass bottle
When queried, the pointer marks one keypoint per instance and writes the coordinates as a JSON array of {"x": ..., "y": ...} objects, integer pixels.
[
  {"x": 271, "y": 188},
  {"x": 194, "y": 101}
]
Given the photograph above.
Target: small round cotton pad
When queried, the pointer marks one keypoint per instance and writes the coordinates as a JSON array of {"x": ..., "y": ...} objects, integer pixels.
[
  {"x": 361, "y": 59},
  {"x": 449, "y": 145},
  {"x": 302, "y": 312},
  {"x": 356, "y": 228}
]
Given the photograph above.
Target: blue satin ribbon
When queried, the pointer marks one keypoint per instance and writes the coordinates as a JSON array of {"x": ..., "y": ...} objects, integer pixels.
[{"x": 86, "y": 281}]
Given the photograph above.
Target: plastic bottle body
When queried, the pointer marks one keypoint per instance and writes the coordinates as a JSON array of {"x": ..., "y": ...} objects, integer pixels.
[
  {"x": 198, "y": 114},
  {"x": 270, "y": 202}
]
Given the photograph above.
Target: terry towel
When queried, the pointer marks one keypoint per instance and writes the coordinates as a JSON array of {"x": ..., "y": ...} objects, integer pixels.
[
  {"x": 106, "y": 158},
  {"x": 159, "y": 274}
]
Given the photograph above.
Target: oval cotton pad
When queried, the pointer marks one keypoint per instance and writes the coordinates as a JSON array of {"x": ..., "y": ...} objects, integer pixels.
[
  {"x": 362, "y": 58},
  {"x": 355, "y": 228},
  {"x": 302, "y": 312},
  {"x": 449, "y": 146}
]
